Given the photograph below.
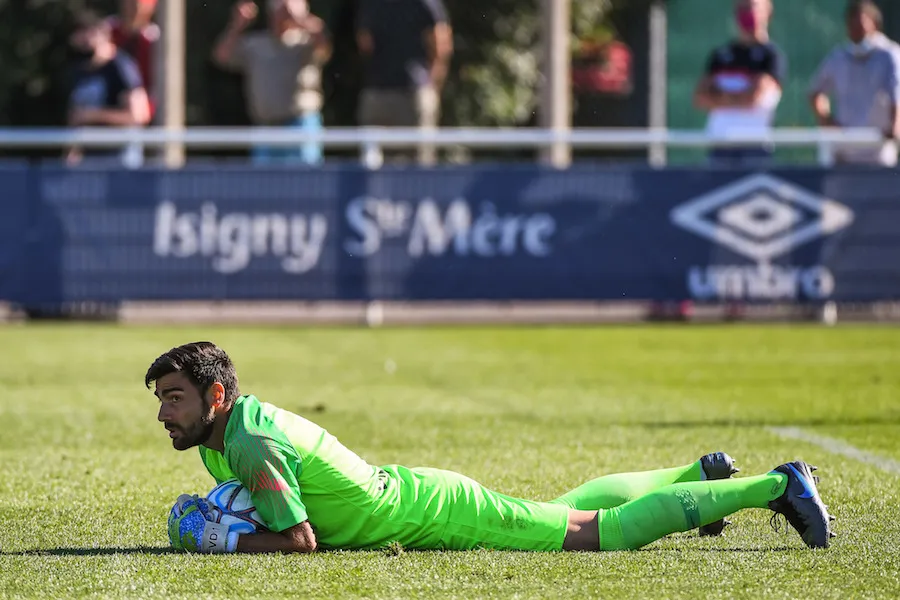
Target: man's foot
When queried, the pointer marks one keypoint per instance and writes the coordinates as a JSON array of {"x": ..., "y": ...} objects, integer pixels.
[
  {"x": 717, "y": 465},
  {"x": 802, "y": 506}
]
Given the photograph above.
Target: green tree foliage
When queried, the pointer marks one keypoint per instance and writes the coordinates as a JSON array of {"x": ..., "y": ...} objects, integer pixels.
[
  {"x": 33, "y": 56},
  {"x": 494, "y": 79}
]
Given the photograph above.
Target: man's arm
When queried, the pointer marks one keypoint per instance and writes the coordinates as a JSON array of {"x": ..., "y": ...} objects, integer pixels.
[
  {"x": 123, "y": 117},
  {"x": 706, "y": 95},
  {"x": 268, "y": 470},
  {"x": 224, "y": 50},
  {"x": 438, "y": 41},
  {"x": 315, "y": 27},
  {"x": 365, "y": 42},
  {"x": 299, "y": 538},
  {"x": 894, "y": 131},
  {"x": 822, "y": 84},
  {"x": 760, "y": 86},
  {"x": 134, "y": 109},
  {"x": 226, "y": 53},
  {"x": 821, "y": 107},
  {"x": 893, "y": 92}
]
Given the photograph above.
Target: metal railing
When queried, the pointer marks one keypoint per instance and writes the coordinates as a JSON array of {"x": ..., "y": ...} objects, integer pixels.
[{"x": 371, "y": 141}]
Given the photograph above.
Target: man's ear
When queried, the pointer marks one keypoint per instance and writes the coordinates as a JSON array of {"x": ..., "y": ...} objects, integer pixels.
[{"x": 216, "y": 394}]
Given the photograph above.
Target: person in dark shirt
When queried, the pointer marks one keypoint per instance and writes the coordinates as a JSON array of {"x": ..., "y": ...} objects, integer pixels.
[
  {"x": 742, "y": 85},
  {"x": 105, "y": 85},
  {"x": 407, "y": 45}
]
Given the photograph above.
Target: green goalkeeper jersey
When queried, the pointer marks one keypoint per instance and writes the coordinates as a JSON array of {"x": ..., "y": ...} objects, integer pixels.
[{"x": 296, "y": 471}]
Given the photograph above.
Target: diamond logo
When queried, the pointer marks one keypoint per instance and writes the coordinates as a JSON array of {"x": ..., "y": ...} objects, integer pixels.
[{"x": 762, "y": 217}]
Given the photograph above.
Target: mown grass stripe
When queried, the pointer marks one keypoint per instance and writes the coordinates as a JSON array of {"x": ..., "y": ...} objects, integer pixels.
[{"x": 838, "y": 447}]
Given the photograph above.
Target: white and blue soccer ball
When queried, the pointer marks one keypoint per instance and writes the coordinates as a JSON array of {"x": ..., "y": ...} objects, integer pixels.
[{"x": 231, "y": 505}]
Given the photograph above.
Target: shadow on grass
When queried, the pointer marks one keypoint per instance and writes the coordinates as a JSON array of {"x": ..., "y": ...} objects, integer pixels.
[
  {"x": 390, "y": 551},
  {"x": 149, "y": 550},
  {"x": 760, "y": 550},
  {"x": 732, "y": 549}
]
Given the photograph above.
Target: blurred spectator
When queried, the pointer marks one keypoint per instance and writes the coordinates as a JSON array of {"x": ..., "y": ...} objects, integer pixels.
[
  {"x": 863, "y": 77},
  {"x": 282, "y": 70},
  {"x": 407, "y": 45},
  {"x": 106, "y": 89},
  {"x": 742, "y": 86},
  {"x": 883, "y": 41},
  {"x": 134, "y": 32}
]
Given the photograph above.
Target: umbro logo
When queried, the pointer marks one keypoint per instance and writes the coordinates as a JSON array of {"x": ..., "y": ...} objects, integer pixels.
[{"x": 762, "y": 217}]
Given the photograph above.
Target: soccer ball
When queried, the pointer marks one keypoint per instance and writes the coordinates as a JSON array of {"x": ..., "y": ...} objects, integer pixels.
[{"x": 230, "y": 504}]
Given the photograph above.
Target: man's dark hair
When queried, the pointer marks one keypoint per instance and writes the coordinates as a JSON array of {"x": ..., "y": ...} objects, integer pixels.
[
  {"x": 856, "y": 8},
  {"x": 86, "y": 19},
  {"x": 203, "y": 363}
]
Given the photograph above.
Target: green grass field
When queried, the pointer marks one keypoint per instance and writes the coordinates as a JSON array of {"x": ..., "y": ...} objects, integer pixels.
[{"x": 87, "y": 474}]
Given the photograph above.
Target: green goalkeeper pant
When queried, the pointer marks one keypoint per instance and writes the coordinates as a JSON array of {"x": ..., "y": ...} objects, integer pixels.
[{"x": 634, "y": 509}]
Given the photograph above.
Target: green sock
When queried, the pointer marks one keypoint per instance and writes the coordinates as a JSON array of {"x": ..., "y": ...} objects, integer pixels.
[
  {"x": 684, "y": 506},
  {"x": 617, "y": 489}
]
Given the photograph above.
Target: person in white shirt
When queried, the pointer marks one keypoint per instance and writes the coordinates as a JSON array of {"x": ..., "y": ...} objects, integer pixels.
[
  {"x": 862, "y": 76},
  {"x": 741, "y": 88}
]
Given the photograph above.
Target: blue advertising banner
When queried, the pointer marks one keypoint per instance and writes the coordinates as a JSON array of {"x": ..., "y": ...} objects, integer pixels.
[
  {"x": 481, "y": 232},
  {"x": 15, "y": 217}
]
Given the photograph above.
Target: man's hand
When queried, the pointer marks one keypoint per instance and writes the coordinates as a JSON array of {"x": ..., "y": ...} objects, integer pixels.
[
  {"x": 311, "y": 24},
  {"x": 893, "y": 131},
  {"x": 821, "y": 107},
  {"x": 190, "y": 529},
  {"x": 299, "y": 538},
  {"x": 243, "y": 15},
  {"x": 315, "y": 28}
]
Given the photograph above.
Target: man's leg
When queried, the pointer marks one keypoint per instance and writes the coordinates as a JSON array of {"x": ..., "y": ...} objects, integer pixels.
[
  {"x": 673, "y": 509},
  {"x": 482, "y": 518},
  {"x": 473, "y": 516},
  {"x": 311, "y": 153},
  {"x": 684, "y": 506},
  {"x": 389, "y": 108},
  {"x": 790, "y": 490},
  {"x": 617, "y": 489}
]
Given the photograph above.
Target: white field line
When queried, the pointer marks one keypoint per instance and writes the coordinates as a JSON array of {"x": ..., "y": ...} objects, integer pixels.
[{"x": 838, "y": 447}]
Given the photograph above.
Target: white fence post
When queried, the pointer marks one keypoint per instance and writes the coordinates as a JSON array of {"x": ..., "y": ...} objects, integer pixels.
[
  {"x": 826, "y": 153},
  {"x": 372, "y": 156}
]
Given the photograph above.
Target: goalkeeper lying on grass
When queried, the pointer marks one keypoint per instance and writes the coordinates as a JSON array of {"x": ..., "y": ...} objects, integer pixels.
[{"x": 312, "y": 492}]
